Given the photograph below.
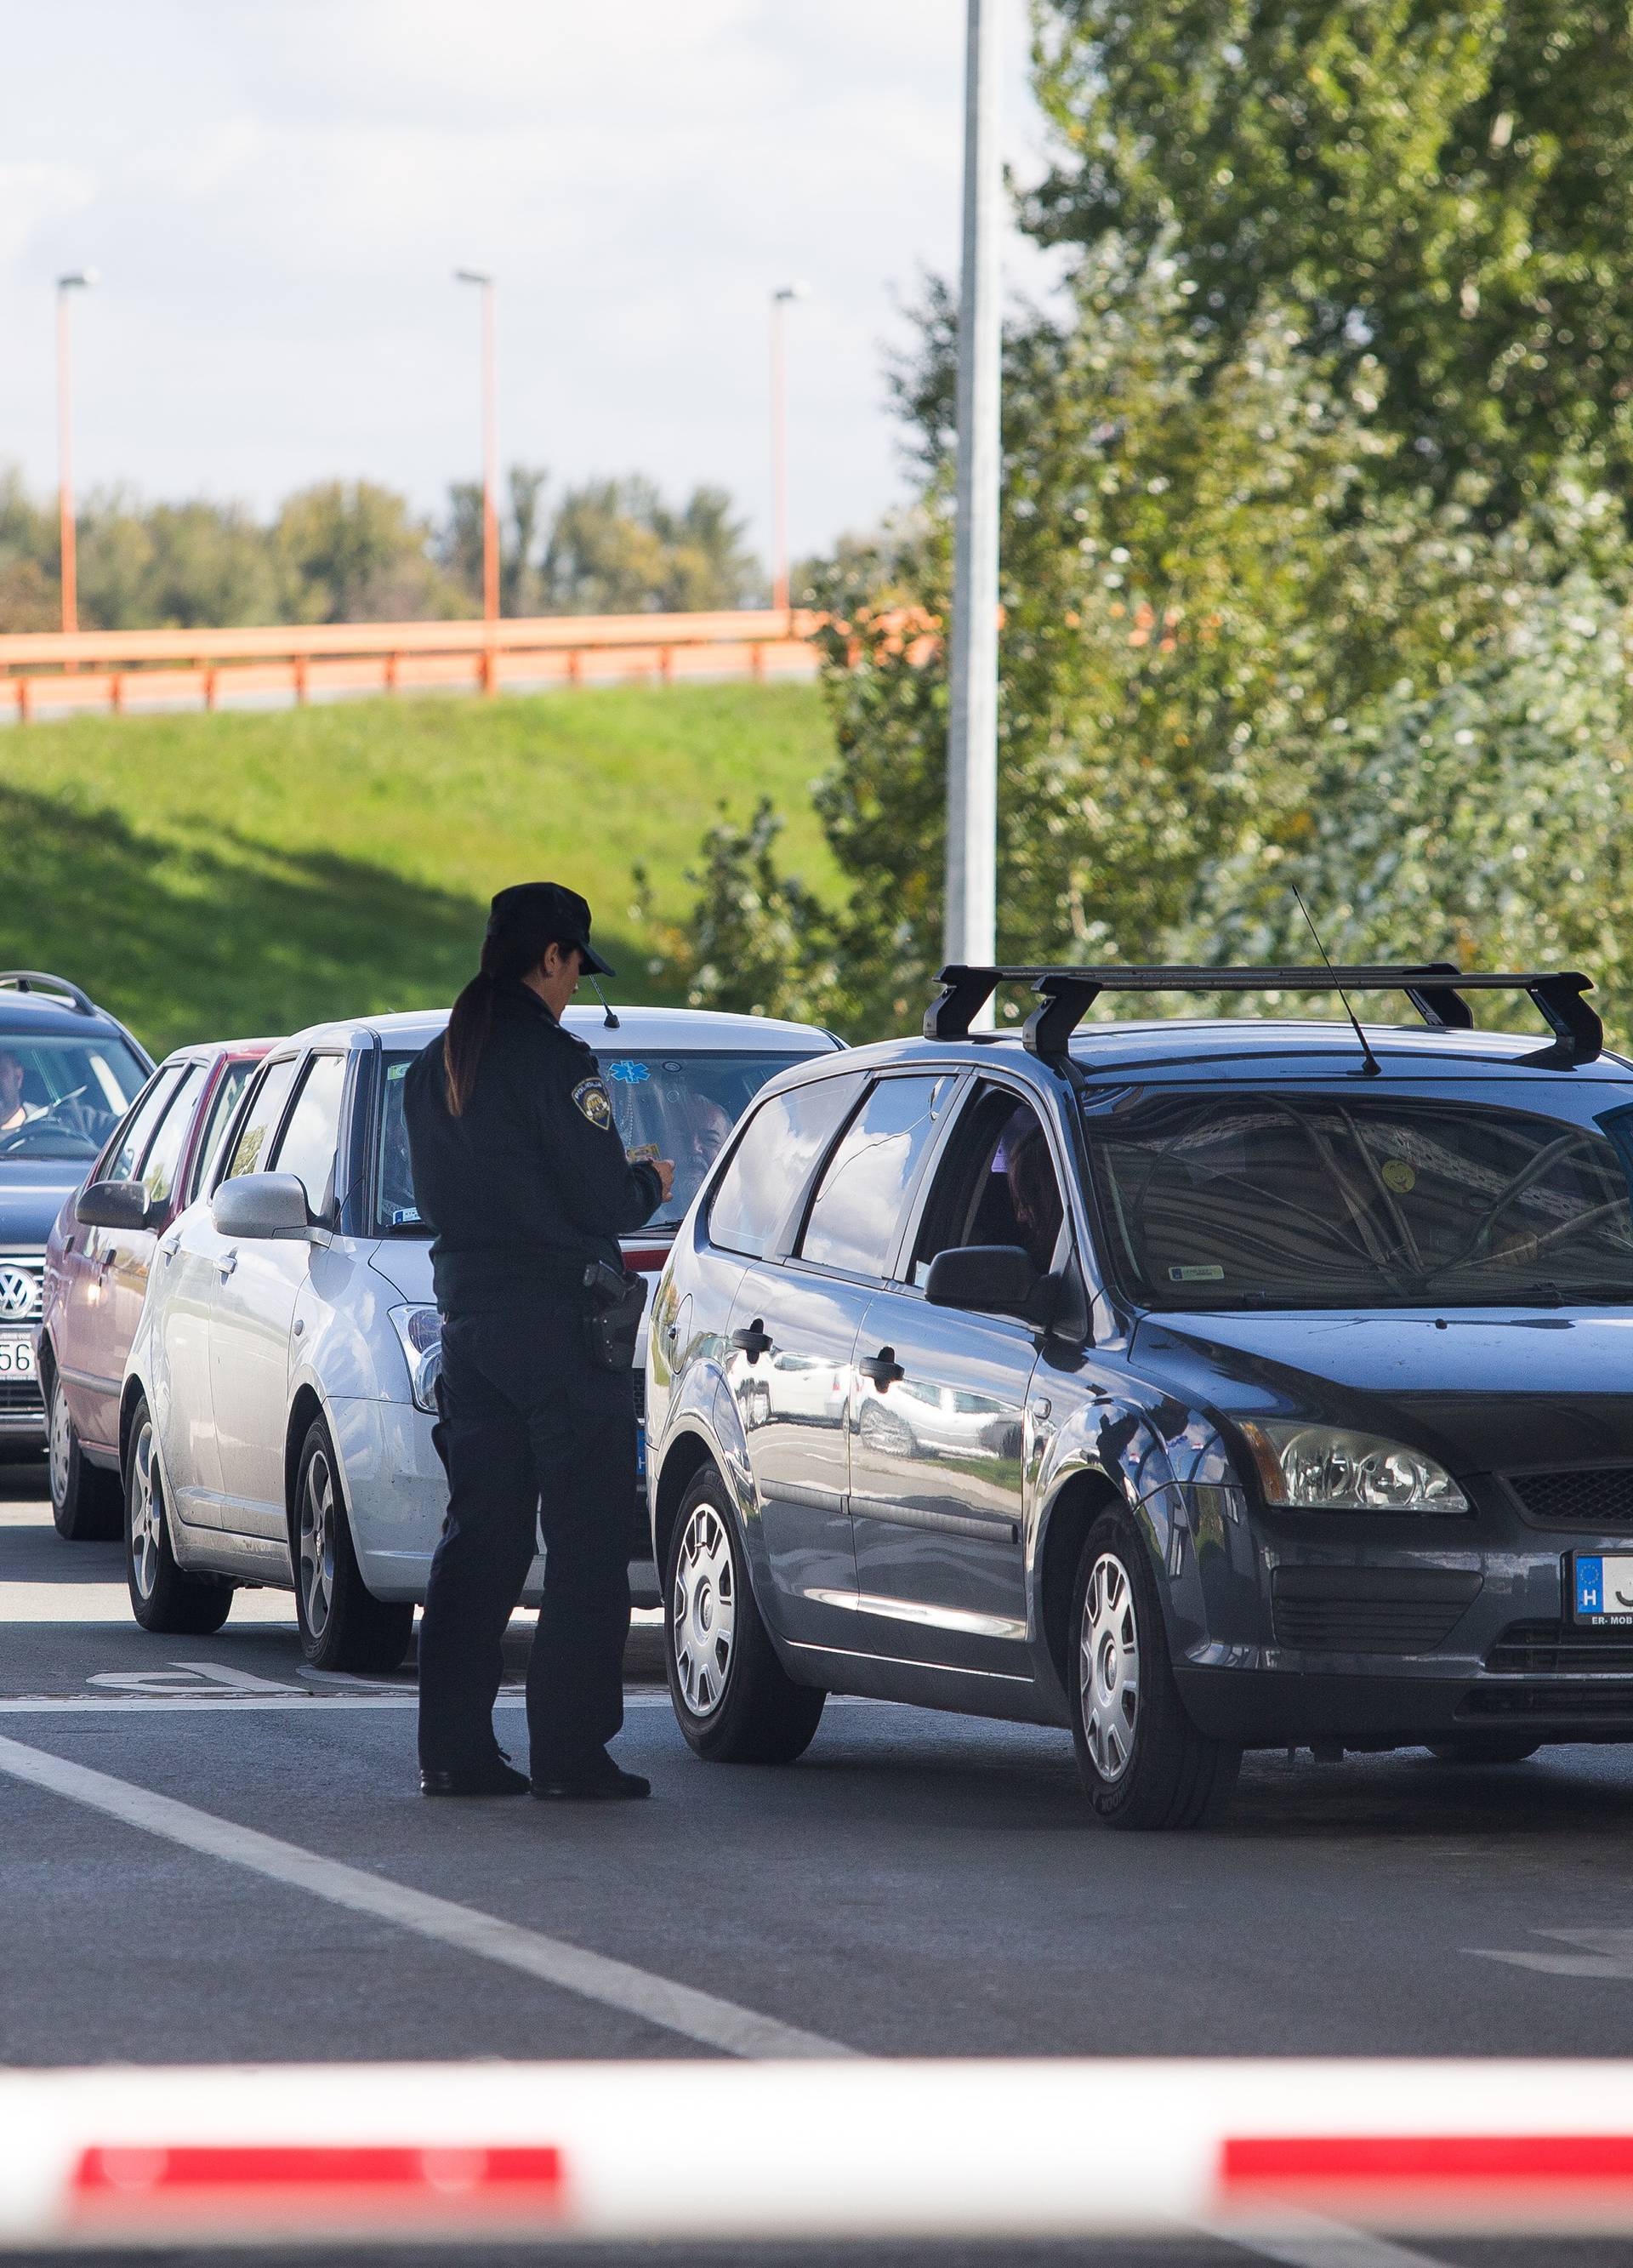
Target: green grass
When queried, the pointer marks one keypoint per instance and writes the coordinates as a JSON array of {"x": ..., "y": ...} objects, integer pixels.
[{"x": 209, "y": 875}]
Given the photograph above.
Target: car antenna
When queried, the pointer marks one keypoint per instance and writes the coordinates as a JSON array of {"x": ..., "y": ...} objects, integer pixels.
[
  {"x": 611, "y": 1021},
  {"x": 1371, "y": 1068}
]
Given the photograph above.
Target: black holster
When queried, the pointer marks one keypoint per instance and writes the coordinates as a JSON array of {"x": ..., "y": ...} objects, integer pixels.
[{"x": 617, "y": 1300}]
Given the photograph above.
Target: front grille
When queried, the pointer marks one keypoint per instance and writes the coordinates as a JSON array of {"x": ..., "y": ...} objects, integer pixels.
[
  {"x": 22, "y": 1285},
  {"x": 1593, "y": 1497},
  {"x": 1544, "y": 1649},
  {"x": 20, "y": 1398},
  {"x": 1585, "y": 1703},
  {"x": 1369, "y": 1610},
  {"x": 640, "y": 1396}
]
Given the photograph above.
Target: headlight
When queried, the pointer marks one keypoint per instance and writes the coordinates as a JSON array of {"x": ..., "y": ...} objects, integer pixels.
[
  {"x": 1326, "y": 1468},
  {"x": 420, "y": 1330}
]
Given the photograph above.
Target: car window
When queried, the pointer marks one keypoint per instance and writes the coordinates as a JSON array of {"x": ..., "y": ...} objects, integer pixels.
[
  {"x": 856, "y": 1215},
  {"x": 1343, "y": 1200},
  {"x": 306, "y": 1147},
  {"x": 996, "y": 1185},
  {"x": 223, "y": 1103},
  {"x": 772, "y": 1162},
  {"x": 138, "y": 1131},
  {"x": 260, "y": 1118},
  {"x": 158, "y": 1166},
  {"x": 61, "y": 1095}
]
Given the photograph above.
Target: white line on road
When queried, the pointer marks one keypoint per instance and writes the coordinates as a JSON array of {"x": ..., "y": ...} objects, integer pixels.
[
  {"x": 695, "y": 2016},
  {"x": 1305, "y": 2241},
  {"x": 1605, "y": 1952}
]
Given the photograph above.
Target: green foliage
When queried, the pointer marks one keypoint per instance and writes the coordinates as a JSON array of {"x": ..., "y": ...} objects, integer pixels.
[
  {"x": 615, "y": 547},
  {"x": 350, "y": 551}
]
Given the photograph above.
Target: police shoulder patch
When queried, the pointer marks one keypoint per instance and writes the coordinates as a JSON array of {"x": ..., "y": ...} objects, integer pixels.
[{"x": 592, "y": 1100}]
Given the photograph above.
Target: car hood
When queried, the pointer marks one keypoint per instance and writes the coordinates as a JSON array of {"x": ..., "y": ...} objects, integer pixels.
[
  {"x": 32, "y": 1193},
  {"x": 1478, "y": 1390}
]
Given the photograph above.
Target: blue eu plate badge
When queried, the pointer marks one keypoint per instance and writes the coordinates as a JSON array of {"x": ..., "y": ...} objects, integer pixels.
[{"x": 1601, "y": 1587}]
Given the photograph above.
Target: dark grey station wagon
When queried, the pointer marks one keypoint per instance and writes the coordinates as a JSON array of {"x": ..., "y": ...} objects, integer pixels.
[{"x": 1198, "y": 1386}]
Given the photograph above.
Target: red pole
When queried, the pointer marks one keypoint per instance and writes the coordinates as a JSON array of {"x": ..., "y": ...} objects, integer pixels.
[
  {"x": 779, "y": 458},
  {"x": 65, "y": 465},
  {"x": 491, "y": 457}
]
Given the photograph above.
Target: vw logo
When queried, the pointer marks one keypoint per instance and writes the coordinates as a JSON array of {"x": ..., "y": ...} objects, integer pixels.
[{"x": 18, "y": 1293}]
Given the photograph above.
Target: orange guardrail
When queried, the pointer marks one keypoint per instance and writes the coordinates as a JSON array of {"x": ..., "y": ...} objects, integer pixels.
[{"x": 121, "y": 669}]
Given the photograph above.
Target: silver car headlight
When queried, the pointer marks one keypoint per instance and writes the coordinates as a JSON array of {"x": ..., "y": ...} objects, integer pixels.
[
  {"x": 420, "y": 1330},
  {"x": 1327, "y": 1468}
]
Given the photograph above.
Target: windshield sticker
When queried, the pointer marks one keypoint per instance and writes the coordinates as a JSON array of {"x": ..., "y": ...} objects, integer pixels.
[
  {"x": 395, "y": 1072},
  {"x": 628, "y": 1071},
  {"x": 1208, "y": 1274},
  {"x": 1399, "y": 1176}
]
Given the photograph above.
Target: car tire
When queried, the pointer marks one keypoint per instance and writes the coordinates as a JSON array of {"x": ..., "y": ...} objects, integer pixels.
[
  {"x": 163, "y": 1596},
  {"x": 87, "y": 1505},
  {"x": 1142, "y": 1762},
  {"x": 1484, "y": 1748},
  {"x": 734, "y": 1699},
  {"x": 342, "y": 1624}
]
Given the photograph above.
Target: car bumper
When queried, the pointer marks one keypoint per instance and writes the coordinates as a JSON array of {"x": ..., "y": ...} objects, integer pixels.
[{"x": 22, "y": 1406}]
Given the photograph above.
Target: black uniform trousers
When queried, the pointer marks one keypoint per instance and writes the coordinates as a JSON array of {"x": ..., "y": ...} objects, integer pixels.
[{"x": 531, "y": 1430}]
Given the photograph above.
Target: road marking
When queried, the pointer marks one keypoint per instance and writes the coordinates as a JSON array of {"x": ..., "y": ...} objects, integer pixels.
[
  {"x": 695, "y": 2016},
  {"x": 1608, "y": 1953},
  {"x": 205, "y": 1700},
  {"x": 205, "y": 1676},
  {"x": 1306, "y": 2241}
]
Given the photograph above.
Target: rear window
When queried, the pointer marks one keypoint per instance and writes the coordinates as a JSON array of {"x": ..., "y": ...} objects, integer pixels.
[
  {"x": 679, "y": 1103},
  {"x": 62, "y": 1094},
  {"x": 1337, "y": 1202}
]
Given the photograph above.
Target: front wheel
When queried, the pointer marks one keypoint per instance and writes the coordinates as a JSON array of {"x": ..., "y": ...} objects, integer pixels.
[
  {"x": 1484, "y": 1748},
  {"x": 342, "y": 1624},
  {"x": 86, "y": 1505},
  {"x": 735, "y": 1702},
  {"x": 1142, "y": 1761},
  {"x": 163, "y": 1596}
]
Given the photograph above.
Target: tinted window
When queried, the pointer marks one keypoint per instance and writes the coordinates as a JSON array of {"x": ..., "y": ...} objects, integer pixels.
[
  {"x": 857, "y": 1215},
  {"x": 122, "y": 1165},
  {"x": 164, "y": 1151},
  {"x": 223, "y": 1103},
  {"x": 260, "y": 1120},
  {"x": 780, "y": 1145},
  {"x": 62, "y": 1096},
  {"x": 1329, "y": 1201},
  {"x": 307, "y": 1148},
  {"x": 996, "y": 1185}
]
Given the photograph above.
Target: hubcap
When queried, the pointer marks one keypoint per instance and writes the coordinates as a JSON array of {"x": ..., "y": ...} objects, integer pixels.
[
  {"x": 704, "y": 1611},
  {"x": 317, "y": 1544},
  {"x": 146, "y": 1511},
  {"x": 60, "y": 1438},
  {"x": 1110, "y": 1667}
]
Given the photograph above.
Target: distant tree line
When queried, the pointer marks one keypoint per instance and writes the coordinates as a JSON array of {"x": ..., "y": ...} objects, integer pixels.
[{"x": 345, "y": 551}]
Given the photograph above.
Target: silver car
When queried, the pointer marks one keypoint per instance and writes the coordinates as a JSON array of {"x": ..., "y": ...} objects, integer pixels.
[{"x": 275, "y": 1417}]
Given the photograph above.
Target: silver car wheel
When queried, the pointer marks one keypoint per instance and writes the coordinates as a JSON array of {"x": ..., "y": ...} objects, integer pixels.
[
  {"x": 61, "y": 1438},
  {"x": 147, "y": 1511},
  {"x": 317, "y": 1542},
  {"x": 704, "y": 1611},
  {"x": 1109, "y": 1674}
]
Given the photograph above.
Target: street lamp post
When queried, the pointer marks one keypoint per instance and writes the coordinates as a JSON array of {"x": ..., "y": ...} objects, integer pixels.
[
  {"x": 80, "y": 280},
  {"x": 971, "y": 930},
  {"x": 780, "y": 299},
  {"x": 489, "y": 444}
]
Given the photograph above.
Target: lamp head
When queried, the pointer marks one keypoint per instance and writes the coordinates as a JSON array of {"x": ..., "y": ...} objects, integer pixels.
[
  {"x": 471, "y": 276},
  {"x": 786, "y": 291},
  {"x": 81, "y": 280}
]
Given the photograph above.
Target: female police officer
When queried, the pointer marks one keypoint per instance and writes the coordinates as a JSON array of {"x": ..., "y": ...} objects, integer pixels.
[{"x": 519, "y": 1170}]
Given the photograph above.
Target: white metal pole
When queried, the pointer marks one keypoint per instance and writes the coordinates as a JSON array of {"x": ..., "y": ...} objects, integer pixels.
[{"x": 972, "y": 746}]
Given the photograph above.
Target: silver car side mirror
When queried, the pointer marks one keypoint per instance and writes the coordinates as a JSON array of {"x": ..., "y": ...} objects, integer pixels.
[{"x": 261, "y": 1205}]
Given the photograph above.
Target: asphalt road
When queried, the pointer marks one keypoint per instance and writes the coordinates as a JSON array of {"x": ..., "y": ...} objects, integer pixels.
[{"x": 918, "y": 1884}]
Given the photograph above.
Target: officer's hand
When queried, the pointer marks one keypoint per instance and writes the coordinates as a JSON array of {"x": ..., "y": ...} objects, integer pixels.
[{"x": 665, "y": 1167}]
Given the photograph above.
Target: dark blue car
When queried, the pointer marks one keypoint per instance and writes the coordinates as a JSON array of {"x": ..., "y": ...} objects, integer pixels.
[{"x": 1200, "y": 1385}]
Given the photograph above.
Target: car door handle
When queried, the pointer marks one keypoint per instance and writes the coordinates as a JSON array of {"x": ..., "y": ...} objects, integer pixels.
[
  {"x": 882, "y": 1368},
  {"x": 227, "y": 1263},
  {"x": 755, "y": 1342}
]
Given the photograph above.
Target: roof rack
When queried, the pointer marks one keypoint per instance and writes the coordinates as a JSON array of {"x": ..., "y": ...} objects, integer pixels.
[
  {"x": 40, "y": 980},
  {"x": 1434, "y": 989}
]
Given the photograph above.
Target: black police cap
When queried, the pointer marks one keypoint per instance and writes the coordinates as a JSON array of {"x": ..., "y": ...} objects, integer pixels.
[{"x": 545, "y": 912}]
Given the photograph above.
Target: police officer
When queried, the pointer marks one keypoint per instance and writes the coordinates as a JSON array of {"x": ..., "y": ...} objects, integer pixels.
[{"x": 519, "y": 1169}]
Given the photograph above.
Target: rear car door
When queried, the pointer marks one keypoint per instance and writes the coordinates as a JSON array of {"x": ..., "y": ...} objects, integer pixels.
[
  {"x": 126, "y": 1255},
  {"x": 255, "y": 1311},
  {"x": 937, "y": 1459}
]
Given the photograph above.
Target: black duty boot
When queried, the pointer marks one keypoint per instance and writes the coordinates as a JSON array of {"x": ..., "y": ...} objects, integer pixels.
[
  {"x": 598, "y": 1779},
  {"x": 494, "y": 1778}
]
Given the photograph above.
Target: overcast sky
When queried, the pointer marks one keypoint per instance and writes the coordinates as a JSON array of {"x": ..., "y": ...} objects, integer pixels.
[{"x": 275, "y": 196}]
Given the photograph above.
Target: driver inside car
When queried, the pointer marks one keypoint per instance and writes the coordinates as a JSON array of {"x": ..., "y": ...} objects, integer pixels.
[
  {"x": 14, "y": 1112},
  {"x": 1033, "y": 1190}
]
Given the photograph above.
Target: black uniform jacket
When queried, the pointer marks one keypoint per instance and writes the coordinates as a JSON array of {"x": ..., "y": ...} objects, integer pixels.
[{"x": 530, "y": 1184}]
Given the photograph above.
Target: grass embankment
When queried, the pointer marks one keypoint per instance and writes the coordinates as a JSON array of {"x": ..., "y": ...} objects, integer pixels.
[{"x": 243, "y": 872}]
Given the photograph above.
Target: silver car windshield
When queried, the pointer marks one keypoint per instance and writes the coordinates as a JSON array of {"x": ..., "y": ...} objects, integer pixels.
[
  {"x": 62, "y": 1094},
  {"x": 676, "y": 1104}
]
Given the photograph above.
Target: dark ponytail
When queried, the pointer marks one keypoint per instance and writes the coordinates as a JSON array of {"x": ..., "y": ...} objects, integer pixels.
[{"x": 507, "y": 953}]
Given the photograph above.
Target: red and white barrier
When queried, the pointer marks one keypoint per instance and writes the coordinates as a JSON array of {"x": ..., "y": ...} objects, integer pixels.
[{"x": 850, "y": 2149}]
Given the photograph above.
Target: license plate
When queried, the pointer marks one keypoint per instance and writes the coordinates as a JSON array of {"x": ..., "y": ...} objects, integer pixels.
[
  {"x": 1601, "y": 1588},
  {"x": 640, "y": 1455},
  {"x": 17, "y": 1357}
]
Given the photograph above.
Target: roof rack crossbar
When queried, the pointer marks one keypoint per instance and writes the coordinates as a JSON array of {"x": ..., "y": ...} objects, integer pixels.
[
  {"x": 1434, "y": 989},
  {"x": 41, "y": 980}
]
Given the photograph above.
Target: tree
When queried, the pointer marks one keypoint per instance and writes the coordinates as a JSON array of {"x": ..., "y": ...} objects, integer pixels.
[
  {"x": 615, "y": 547},
  {"x": 351, "y": 551}
]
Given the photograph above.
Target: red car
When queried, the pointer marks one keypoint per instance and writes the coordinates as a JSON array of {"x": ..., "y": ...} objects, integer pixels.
[{"x": 97, "y": 1261}]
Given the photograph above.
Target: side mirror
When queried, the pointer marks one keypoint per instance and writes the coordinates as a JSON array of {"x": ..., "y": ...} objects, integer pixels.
[
  {"x": 114, "y": 1205},
  {"x": 991, "y": 1279},
  {"x": 261, "y": 1205}
]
